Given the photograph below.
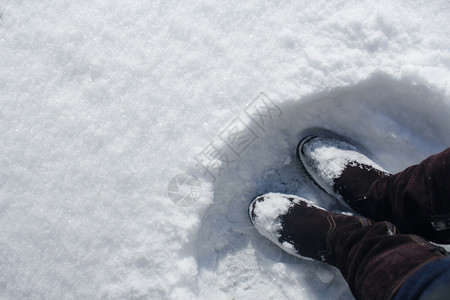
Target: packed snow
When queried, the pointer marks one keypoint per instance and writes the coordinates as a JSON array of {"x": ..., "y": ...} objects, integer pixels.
[{"x": 108, "y": 106}]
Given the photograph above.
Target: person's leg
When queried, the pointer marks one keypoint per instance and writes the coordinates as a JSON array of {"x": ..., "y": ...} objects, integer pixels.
[
  {"x": 417, "y": 200},
  {"x": 373, "y": 258},
  {"x": 431, "y": 282},
  {"x": 419, "y": 197}
]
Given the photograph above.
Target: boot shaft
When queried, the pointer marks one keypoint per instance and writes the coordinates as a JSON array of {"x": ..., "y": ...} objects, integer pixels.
[{"x": 419, "y": 198}]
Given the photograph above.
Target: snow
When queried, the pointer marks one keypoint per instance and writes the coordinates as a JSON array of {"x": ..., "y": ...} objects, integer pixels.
[{"x": 104, "y": 102}]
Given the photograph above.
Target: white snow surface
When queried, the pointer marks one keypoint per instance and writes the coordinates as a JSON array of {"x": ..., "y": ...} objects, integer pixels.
[{"x": 102, "y": 103}]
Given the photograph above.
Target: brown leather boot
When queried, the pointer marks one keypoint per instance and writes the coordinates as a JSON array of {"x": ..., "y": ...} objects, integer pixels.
[
  {"x": 373, "y": 258},
  {"x": 416, "y": 200}
]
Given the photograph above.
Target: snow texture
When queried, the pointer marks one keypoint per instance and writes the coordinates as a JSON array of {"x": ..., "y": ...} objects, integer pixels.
[{"x": 104, "y": 102}]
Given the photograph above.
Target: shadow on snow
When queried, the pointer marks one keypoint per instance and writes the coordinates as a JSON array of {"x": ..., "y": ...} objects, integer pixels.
[{"x": 397, "y": 123}]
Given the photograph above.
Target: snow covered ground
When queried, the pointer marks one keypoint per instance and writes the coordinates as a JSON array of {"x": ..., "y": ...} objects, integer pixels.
[{"x": 102, "y": 103}]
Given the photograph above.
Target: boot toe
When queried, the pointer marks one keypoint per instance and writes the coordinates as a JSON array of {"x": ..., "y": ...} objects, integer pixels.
[
  {"x": 267, "y": 213},
  {"x": 324, "y": 160}
]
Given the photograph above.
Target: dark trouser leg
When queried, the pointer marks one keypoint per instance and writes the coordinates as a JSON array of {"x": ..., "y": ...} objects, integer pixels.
[
  {"x": 373, "y": 258},
  {"x": 417, "y": 199}
]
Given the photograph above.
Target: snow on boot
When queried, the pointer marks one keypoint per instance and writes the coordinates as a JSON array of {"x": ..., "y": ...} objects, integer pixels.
[
  {"x": 344, "y": 172},
  {"x": 294, "y": 224}
]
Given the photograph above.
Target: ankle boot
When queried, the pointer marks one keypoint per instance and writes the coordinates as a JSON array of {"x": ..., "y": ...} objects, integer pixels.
[
  {"x": 373, "y": 258},
  {"x": 416, "y": 200},
  {"x": 327, "y": 160}
]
